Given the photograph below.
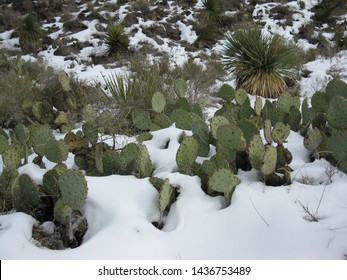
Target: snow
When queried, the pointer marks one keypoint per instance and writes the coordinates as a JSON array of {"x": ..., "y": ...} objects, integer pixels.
[{"x": 261, "y": 223}]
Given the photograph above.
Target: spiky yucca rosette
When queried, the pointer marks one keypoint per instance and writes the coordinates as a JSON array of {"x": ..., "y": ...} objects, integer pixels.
[{"x": 260, "y": 63}]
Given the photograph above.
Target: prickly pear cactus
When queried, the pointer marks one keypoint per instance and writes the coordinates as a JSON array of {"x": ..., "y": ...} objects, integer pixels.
[
  {"x": 141, "y": 119},
  {"x": 73, "y": 188},
  {"x": 216, "y": 122},
  {"x": 230, "y": 138},
  {"x": 256, "y": 152},
  {"x": 241, "y": 97},
  {"x": 64, "y": 80},
  {"x": 224, "y": 181},
  {"x": 320, "y": 102},
  {"x": 258, "y": 106},
  {"x": 22, "y": 133},
  {"x": 180, "y": 88},
  {"x": 50, "y": 183},
  {"x": 337, "y": 145},
  {"x": 248, "y": 128},
  {"x": 270, "y": 160},
  {"x": 11, "y": 158},
  {"x": 56, "y": 151},
  {"x": 165, "y": 195},
  {"x": 280, "y": 132},
  {"x": 227, "y": 92},
  {"x": 313, "y": 139},
  {"x": 29, "y": 191},
  {"x": 3, "y": 144},
  {"x": 187, "y": 154},
  {"x": 293, "y": 118},
  {"x": 337, "y": 112},
  {"x": 158, "y": 102},
  {"x": 90, "y": 132},
  {"x": 336, "y": 87},
  {"x": 62, "y": 212},
  {"x": 162, "y": 120},
  {"x": 201, "y": 134},
  {"x": 144, "y": 162},
  {"x": 41, "y": 135},
  {"x": 129, "y": 158}
]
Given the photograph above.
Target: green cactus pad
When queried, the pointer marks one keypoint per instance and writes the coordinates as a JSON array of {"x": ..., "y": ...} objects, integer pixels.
[
  {"x": 336, "y": 87},
  {"x": 284, "y": 157},
  {"x": 248, "y": 128},
  {"x": 267, "y": 131},
  {"x": 89, "y": 114},
  {"x": 285, "y": 101},
  {"x": 3, "y": 144},
  {"x": 305, "y": 110},
  {"x": 62, "y": 212},
  {"x": 64, "y": 80},
  {"x": 280, "y": 132},
  {"x": 258, "y": 106},
  {"x": 56, "y": 151},
  {"x": 293, "y": 118},
  {"x": 162, "y": 120},
  {"x": 145, "y": 165},
  {"x": 50, "y": 183},
  {"x": 231, "y": 137},
  {"x": 156, "y": 182},
  {"x": 225, "y": 182},
  {"x": 337, "y": 112},
  {"x": 144, "y": 136},
  {"x": 183, "y": 103},
  {"x": 256, "y": 152},
  {"x": 337, "y": 145},
  {"x": 11, "y": 158},
  {"x": 129, "y": 158},
  {"x": 158, "y": 102},
  {"x": 73, "y": 188},
  {"x": 112, "y": 163},
  {"x": 29, "y": 190},
  {"x": 227, "y": 92},
  {"x": 320, "y": 102},
  {"x": 165, "y": 195},
  {"x": 313, "y": 139},
  {"x": 216, "y": 122},
  {"x": 141, "y": 119},
  {"x": 241, "y": 97},
  {"x": 270, "y": 160},
  {"x": 187, "y": 153},
  {"x": 182, "y": 119},
  {"x": 90, "y": 132},
  {"x": 22, "y": 133},
  {"x": 62, "y": 118},
  {"x": 180, "y": 88},
  {"x": 201, "y": 134},
  {"x": 41, "y": 136}
]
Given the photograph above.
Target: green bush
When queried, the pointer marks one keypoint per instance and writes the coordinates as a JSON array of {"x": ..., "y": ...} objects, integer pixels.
[
  {"x": 116, "y": 39},
  {"x": 30, "y": 33},
  {"x": 211, "y": 11},
  {"x": 260, "y": 63}
]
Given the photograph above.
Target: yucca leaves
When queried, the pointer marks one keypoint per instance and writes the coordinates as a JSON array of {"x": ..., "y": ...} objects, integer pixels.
[{"x": 260, "y": 62}]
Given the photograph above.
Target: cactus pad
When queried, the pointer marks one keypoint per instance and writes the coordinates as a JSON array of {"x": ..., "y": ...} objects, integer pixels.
[
  {"x": 73, "y": 188},
  {"x": 280, "y": 132},
  {"x": 62, "y": 212},
  {"x": 225, "y": 182},
  {"x": 158, "y": 102},
  {"x": 187, "y": 153},
  {"x": 256, "y": 152}
]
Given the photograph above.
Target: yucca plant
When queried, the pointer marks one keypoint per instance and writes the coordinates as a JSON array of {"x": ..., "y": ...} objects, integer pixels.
[
  {"x": 211, "y": 11},
  {"x": 30, "y": 33},
  {"x": 116, "y": 38},
  {"x": 260, "y": 63}
]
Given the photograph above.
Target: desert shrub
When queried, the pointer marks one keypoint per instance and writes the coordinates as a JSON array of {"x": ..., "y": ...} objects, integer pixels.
[
  {"x": 260, "y": 63},
  {"x": 116, "y": 38},
  {"x": 211, "y": 10},
  {"x": 30, "y": 33}
]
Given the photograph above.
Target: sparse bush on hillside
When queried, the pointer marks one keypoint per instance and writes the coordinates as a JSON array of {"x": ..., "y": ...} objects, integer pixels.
[
  {"x": 116, "y": 39},
  {"x": 260, "y": 63},
  {"x": 212, "y": 10},
  {"x": 30, "y": 33}
]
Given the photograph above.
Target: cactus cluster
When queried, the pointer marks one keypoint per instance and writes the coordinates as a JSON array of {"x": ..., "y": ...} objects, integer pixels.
[{"x": 326, "y": 124}]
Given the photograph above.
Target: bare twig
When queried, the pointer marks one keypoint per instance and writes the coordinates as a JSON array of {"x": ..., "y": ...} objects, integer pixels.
[
  {"x": 312, "y": 217},
  {"x": 258, "y": 212}
]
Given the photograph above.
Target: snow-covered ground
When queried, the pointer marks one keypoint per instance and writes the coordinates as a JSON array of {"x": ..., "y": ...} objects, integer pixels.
[{"x": 261, "y": 222}]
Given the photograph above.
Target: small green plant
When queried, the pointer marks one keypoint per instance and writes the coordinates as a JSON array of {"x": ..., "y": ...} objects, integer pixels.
[
  {"x": 116, "y": 39},
  {"x": 260, "y": 62},
  {"x": 30, "y": 33},
  {"x": 211, "y": 11}
]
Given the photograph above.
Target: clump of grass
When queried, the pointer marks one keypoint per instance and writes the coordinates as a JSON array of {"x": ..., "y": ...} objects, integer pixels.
[
  {"x": 260, "y": 63},
  {"x": 116, "y": 39}
]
